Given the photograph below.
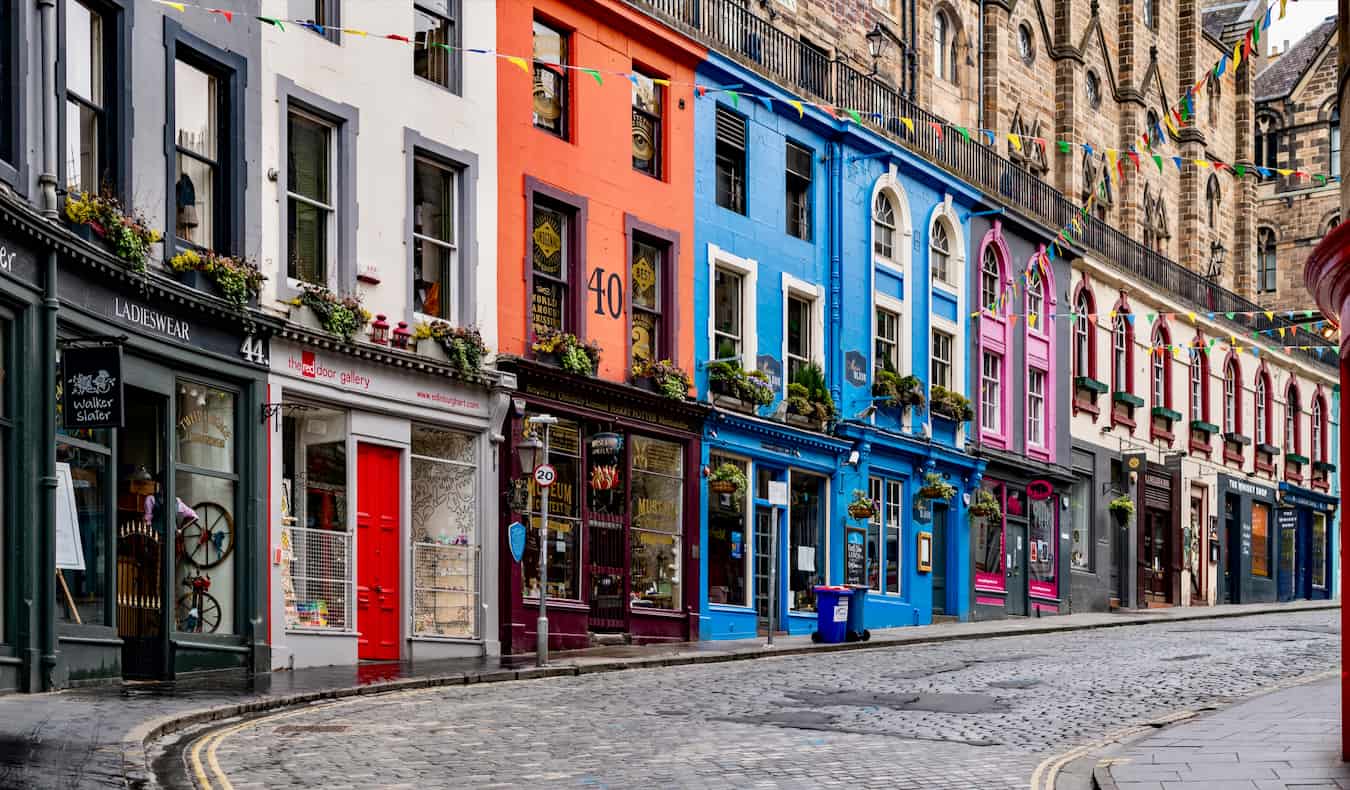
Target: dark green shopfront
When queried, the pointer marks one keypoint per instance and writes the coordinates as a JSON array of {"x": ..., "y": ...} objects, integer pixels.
[{"x": 132, "y": 551}]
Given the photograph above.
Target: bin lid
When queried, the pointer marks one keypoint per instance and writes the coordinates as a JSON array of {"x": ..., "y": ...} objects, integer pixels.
[{"x": 834, "y": 588}]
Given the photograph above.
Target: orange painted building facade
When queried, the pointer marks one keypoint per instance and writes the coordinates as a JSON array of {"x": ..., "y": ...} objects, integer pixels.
[{"x": 596, "y": 233}]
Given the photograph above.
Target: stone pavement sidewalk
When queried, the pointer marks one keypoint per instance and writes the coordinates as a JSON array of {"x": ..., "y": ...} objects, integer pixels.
[
  {"x": 96, "y": 737},
  {"x": 1286, "y": 739}
]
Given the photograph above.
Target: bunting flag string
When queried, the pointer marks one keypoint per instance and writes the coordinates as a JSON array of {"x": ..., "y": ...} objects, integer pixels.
[{"x": 1185, "y": 108}]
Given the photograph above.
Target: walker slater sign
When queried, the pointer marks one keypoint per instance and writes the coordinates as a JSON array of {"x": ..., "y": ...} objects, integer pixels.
[{"x": 91, "y": 387}]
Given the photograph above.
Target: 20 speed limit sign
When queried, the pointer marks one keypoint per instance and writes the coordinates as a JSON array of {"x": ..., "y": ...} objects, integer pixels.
[{"x": 544, "y": 475}]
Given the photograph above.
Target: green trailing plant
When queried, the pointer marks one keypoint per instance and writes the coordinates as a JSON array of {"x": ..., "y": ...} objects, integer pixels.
[
  {"x": 671, "y": 381},
  {"x": 727, "y": 378},
  {"x": 1122, "y": 506},
  {"x": 128, "y": 235},
  {"x": 463, "y": 346},
  {"x": 573, "y": 355},
  {"x": 342, "y": 316},
  {"x": 862, "y": 505},
  {"x": 951, "y": 404},
  {"x": 898, "y": 391},
  {"x": 935, "y": 486},
  {"x": 728, "y": 478},
  {"x": 985, "y": 505},
  {"x": 238, "y": 280},
  {"x": 809, "y": 395}
]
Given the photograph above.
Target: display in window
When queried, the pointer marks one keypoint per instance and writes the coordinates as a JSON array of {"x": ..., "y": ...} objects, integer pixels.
[
  {"x": 805, "y": 525},
  {"x": 728, "y": 514},
  {"x": 657, "y": 522},
  {"x": 81, "y": 596},
  {"x": 1043, "y": 557},
  {"x": 1260, "y": 539},
  {"x": 317, "y": 584},
  {"x": 444, "y": 523},
  {"x": 1318, "y": 558},
  {"x": 564, "y": 522}
]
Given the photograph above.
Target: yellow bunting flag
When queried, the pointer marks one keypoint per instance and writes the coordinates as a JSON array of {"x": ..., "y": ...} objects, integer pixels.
[
  {"x": 1283, "y": 3},
  {"x": 798, "y": 106},
  {"x": 1031, "y": 320},
  {"x": 663, "y": 83},
  {"x": 1283, "y": 171},
  {"x": 519, "y": 61},
  {"x": 179, "y": 7},
  {"x": 355, "y": 32},
  {"x": 1237, "y": 55},
  {"x": 1191, "y": 316},
  {"x": 1270, "y": 315},
  {"x": 1016, "y": 142}
]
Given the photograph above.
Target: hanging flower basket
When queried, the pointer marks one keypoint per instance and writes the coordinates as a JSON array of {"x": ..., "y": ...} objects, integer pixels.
[
  {"x": 985, "y": 505},
  {"x": 727, "y": 479},
  {"x": 1122, "y": 507},
  {"x": 935, "y": 487}
]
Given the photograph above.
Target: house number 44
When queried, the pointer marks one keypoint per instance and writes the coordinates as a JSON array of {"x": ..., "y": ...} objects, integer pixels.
[{"x": 254, "y": 350}]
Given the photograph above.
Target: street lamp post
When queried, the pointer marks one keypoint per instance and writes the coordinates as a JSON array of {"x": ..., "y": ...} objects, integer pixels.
[{"x": 532, "y": 452}]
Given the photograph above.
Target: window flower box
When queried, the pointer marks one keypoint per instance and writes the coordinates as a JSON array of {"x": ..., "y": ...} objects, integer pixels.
[
  {"x": 1324, "y": 466},
  {"x": 1089, "y": 384},
  {"x": 1295, "y": 458},
  {"x": 1162, "y": 412},
  {"x": 1204, "y": 427},
  {"x": 1232, "y": 437},
  {"x": 1128, "y": 399},
  {"x": 1268, "y": 449},
  {"x": 950, "y": 405}
]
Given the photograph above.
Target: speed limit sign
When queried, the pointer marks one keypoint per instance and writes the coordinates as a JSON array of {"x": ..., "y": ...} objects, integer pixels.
[{"x": 544, "y": 475}]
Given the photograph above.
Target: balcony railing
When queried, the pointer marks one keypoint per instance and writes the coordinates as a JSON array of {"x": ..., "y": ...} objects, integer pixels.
[{"x": 727, "y": 26}]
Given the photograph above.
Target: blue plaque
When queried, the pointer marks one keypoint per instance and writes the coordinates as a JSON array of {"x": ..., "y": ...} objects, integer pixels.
[{"x": 515, "y": 536}]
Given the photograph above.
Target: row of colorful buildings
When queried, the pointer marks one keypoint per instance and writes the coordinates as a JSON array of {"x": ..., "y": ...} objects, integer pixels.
[{"x": 781, "y": 346}]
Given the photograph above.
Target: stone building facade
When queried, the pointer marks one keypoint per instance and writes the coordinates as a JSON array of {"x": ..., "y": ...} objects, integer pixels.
[{"x": 1298, "y": 124}]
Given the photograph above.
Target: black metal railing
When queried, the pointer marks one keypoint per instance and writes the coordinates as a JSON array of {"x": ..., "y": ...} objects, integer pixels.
[{"x": 727, "y": 26}]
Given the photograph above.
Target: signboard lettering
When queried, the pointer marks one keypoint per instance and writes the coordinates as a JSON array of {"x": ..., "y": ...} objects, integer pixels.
[
  {"x": 155, "y": 321},
  {"x": 855, "y": 556},
  {"x": 403, "y": 386},
  {"x": 91, "y": 387},
  {"x": 770, "y": 367},
  {"x": 616, "y": 409},
  {"x": 855, "y": 368}
]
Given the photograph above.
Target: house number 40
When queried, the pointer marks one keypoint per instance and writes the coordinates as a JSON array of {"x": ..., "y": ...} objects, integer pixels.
[
  {"x": 608, "y": 292},
  {"x": 254, "y": 350}
]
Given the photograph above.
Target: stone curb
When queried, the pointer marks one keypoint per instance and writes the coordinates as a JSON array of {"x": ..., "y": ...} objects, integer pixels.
[{"x": 138, "y": 774}]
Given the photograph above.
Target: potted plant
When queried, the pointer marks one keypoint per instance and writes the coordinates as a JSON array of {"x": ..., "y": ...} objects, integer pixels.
[
  {"x": 342, "y": 316},
  {"x": 985, "y": 505},
  {"x": 951, "y": 405},
  {"x": 461, "y": 347},
  {"x": 567, "y": 351},
  {"x": 727, "y": 479},
  {"x": 809, "y": 402},
  {"x": 896, "y": 390},
  {"x": 735, "y": 388},
  {"x": 862, "y": 505},
  {"x": 128, "y": 236},
  {"x": 935, "y": 486},
  {"x": 663, "y": 376},
  {"x": 236, "y": 279},
  {"x": 1122, "y": 507}
]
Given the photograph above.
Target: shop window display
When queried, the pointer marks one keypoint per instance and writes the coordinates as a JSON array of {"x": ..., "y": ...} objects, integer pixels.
[
  {"x": 206, "y": 489},
  {"x": 1080, "y": 508},
  {"x": 1260, "y": 539},
  {"x": 728, "y": 545},
  {"x": 989, "y": 544},
  {"x": 316, "y": 539},
  {"x": 806, "y": 542},
  {"x": 564, "y": 519},
  {"x": 90, "y": 477},
  {"x": 657, "y": 522},
  {"x": 444, "y": 533},
  {"x": 1318, "y": 558},
  {"x": 1042, "y": 553}
]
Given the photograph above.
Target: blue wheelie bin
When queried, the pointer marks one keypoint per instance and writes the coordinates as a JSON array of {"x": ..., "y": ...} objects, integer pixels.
[
  {"x": 831, "y": 614},
  {"x": 857, "y": 603}
]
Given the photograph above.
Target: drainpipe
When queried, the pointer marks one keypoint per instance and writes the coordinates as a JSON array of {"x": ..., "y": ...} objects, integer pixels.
[
  {"x": 46, "y": 554},
  {"x": 836, "y": 235},
  {"x": 979, "y": 61}
]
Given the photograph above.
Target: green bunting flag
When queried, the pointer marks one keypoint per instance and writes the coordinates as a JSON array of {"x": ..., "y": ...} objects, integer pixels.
[
  {"x": 274, "y": 22},
  {"x": 858, "y": 118},
  {"x": 1064, "y": 146},
  {"x": 595, "y": 73}
]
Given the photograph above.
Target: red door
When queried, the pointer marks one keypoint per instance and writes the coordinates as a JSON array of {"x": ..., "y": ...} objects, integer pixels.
[{"x": 377, "y": 551}]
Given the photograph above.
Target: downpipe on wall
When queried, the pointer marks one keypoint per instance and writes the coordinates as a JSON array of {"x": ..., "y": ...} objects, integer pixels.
[{"x": 46, "y": 575}]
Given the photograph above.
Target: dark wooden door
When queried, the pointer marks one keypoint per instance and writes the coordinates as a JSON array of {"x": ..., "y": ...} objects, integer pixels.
[
  {"x": 1016, "y": 548},
  {"x": 1155, "y": 558},
  {"x": 378, "y": 578},
  {"x": 940, "y": 560}
]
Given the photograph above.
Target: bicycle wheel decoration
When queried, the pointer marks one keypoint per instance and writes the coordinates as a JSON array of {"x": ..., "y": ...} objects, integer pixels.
[
  {"x": 208, "y": 539},
  {"x": 201, "y": 616}
]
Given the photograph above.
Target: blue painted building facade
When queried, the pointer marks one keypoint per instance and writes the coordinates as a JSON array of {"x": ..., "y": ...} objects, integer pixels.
[{"x": 816, "y": 243}]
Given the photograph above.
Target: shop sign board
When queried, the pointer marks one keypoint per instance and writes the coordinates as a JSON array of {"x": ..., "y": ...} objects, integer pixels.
[
  {"x": 1286, "y": 518},
  {"x": 91, "y": 387},
  {"x": 855, "y": 555},
  {"x": 349, "y": 375},
  {"x": 923, "y": 510},
  {"x": 18, "y": 262},
  {"x": 515, "y": 538}
]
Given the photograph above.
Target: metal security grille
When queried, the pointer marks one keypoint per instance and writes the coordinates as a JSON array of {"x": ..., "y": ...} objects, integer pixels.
[
  {"x": 320, "y": 580},
  {"x": 445, "y": 590}
]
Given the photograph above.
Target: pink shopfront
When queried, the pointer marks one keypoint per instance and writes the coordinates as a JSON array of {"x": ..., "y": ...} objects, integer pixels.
[{"x": 1019, "y": 553}]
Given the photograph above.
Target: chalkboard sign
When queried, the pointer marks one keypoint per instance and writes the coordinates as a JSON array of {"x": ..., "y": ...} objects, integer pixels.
[{"x": 855, "y": 556}]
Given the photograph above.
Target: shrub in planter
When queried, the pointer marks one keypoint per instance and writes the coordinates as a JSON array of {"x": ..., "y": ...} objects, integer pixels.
[
  {"x": 342, "y": 316},
  {"x": 985, "y": 505},
  {"x": 463, "y": 346},
  {"x": 129, "y": 236},
  {"x": 1122, "y": 507},
  {"x": 755, "y": 388},
  {"x": 950, "y": 404},
  {"x": 809, "y": 396},
  {"x": 727, "y": 479},
  {"x": 899, "y": 390},
  {"x": 573, "y": 355},
  {"x": 727, "y": 378},
  {"x": 238, "y": 280},
  {"x": 667, "y": 377},
  {"x": 862, "y": 505},
  {"x": 936, "y": 487}
]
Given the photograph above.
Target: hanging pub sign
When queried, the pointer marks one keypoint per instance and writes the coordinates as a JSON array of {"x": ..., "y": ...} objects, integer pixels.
[{"x": 91, "y": 387}]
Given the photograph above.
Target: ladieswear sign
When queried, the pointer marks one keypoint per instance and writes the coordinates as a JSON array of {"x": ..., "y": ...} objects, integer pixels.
[{"x": 91, "y": 387}]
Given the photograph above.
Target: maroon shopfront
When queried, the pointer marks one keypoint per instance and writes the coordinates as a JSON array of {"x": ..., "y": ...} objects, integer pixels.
[{"x": 622, "y": 544}]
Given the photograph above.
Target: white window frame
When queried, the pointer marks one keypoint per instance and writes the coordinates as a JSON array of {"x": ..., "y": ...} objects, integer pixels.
[
  {"x": 332, "y": 207},
  {"x": 902, "y": 240},
  {"x": 904, "y": 346},
  {"x": 993, "y": 422},
  {"x": 453, "y": 291},
  {"x": 934, "y": 359},
  {"x": 748, "y": 268},
  {"x": 1036, "y": 407},
  {"x": 878, "y": 338},
  {"x": 1197, "y": 385},
  {"x": 1231, "y": 392},
  {"x": 954, "y": 289},
  {"x": 815, "y": 294},
  {"x": 1260, "y": 411},
  {"x": 1082, "y": 337},
  {"x": 1315, "y": 430},
  {"x": 474, "y": 549}
]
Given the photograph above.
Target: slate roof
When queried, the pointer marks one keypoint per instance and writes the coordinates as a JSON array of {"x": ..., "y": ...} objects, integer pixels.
[
  {"x": 1214, "y": 20},
  {"x": 1277, "y": 80}
]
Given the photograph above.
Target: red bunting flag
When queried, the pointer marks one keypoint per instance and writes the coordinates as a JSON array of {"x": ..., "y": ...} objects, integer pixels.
[
  {"x": 397, "y": 37},
  {"x": 937, "y": 129},
  {"x": 229, "y": 15}
]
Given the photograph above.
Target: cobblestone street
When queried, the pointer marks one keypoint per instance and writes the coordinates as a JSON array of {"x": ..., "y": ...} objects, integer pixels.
[{"x": 981, "y": 713}]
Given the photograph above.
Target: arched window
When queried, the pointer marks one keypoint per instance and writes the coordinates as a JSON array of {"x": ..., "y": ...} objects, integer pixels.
[
  {"x": 1160, "y": 378},
  {"x": 1083, "y": 336},
  {"x": 944, "y": 46},
  {"x": 1154, "y": 130},
  {"x": 1318, "y": 434},
  {"x": 1035, "y": 298},
  {"x": 1092, "y": 86},
  {"x": 1262, "y": 409},
  {"x": 883, "y": 226},
  {"x": 991, "y": 277},
  {"x": 1212, "y": 200},
  {"x": 1293, "y": 410},
  {"x": 1199, "y": 382},
  {"x": 1147, "y": 218},
  {"x": 1334, "y": 166},
  {"x": 940, "y": 259},
  {"x": 1267, "y": 141},
  {"x": 1151, "y": 14},
  {"x": 1265, "y": 261},
  {"x": 1122, "y": 371},
  {"x": 1232, "y": 417},
  {"x": 1213, "y": 89},
  {"x": 1332, "y": 223}
]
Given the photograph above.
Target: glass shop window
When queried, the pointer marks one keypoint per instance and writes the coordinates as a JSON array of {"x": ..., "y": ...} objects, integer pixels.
[
  {"x": 206, "y": 486},
  {"x": 86, "y": 453},
  {"x": 989, "y": 539},
  {"x": 316, "y": 538},
  {"x": 658, "y": 521},
  {"x": 1042, "y": 551},
  {"x": 728, "y": 531},
  {"x": 564, "y": 519},
  {"x": 806, "y": 542},
  {"x": 1319, "y": 551},
  {"x": 1260, "y": 539},
  {"x": 1080, "y": 505},
  {"x": 444, "y": 533}
]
